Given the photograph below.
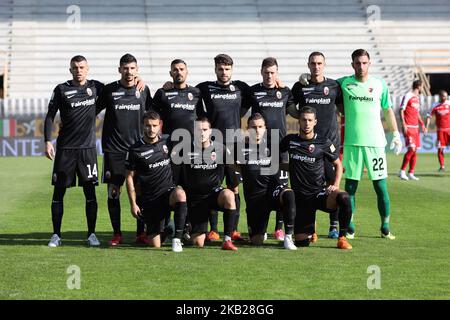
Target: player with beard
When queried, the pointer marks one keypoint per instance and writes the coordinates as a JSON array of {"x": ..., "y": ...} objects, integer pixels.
[
  {"x": 179, "y": 105},
  {"x": 122, "y": 127},
  {"x": 148, "y": 161},
  {"x": 307, "y": 151},
  {"x": 226, "y": 101},
  {"x": 364, "y": 96}
]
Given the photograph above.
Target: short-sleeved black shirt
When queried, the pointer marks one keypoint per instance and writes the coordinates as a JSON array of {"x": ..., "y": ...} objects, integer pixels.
[
  {"x": 77, "y": 105},
  {"x": 225, "y": 105},
  {"x": 272, "y": 104},
  {"x": 323, "y": 97},
  {"x": 256, "y": 158},
  {"x": 306, "y": 162},
  {"x": 152, "y": 165},
  {"x": 125, "y": 108},
  {"x": 178, "y": 108},
  {"x": 205, "y": 170}
]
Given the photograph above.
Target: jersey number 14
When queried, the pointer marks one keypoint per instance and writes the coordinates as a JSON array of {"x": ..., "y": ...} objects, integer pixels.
[{"x": 93, "y": 172}]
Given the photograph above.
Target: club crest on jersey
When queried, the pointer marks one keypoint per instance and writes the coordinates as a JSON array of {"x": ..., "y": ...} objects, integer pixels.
[
  {"x": 370, "y": 90},
  {"x": 232, "y": 88},
  {"x": 108, "y": 174},
  {"x": 279, "y": 95},
  {"x": 311, "y": 148},
  {"x": 165, "y": 149},
  {"x": 326, "y": 91},
  {"x": 89, "y": 92},
  {"x": 213, "y": 156},
  {"x": 190, "y": 96},
  {"x": 137, "y": 94}
]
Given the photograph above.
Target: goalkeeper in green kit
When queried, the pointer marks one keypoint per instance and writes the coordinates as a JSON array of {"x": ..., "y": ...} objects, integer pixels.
[{"x": 364, "y": 140}]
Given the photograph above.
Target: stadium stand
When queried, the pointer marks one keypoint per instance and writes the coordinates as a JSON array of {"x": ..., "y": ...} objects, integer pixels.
[{"x": 39, "y": 38}]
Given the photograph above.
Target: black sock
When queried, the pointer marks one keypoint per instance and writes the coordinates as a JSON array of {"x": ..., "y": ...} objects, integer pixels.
[
  {"x": 228, "y": 221},
  {"x": 214, "y": 220},
  {"x": 91, "y": 215},
  {"x": 140, "y": 225},
  {"x": 334, "y": 220},
  {"x": 179, "y": 217},
  {"x": 114, "y": 214},
  {"x": 91, "y": 207},
  {"x": 57, "y": 209},
  {"x": 279, "y": 220},
  {"x": 289, "y": 211},
  {"x": 345, "y": 212},
  {"x": 237, "y": 200}
]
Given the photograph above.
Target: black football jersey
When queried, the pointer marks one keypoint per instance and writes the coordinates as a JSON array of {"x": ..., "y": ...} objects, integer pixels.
[
  {"x": 323, "y": 97},
  {"x": 125, "y": 108},
  {"x": 152, "y": 165},
  {"x": 225, "y": 105},
  {"x": 306, "y": 162},
  {"x": 253, "y": 159},
  {"x": 205, "y": 170},
  {"x": 77, "y": 107},
  {"x": 179, "y": 108},
  {"x": 272, "y": 104}
]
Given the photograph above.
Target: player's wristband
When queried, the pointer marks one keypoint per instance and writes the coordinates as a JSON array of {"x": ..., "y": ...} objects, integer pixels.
[{"x": 396, "y": 134}]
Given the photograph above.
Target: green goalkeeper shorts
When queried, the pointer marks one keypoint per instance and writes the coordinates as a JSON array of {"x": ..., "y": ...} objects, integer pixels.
[{"x": 357, "y": 157}]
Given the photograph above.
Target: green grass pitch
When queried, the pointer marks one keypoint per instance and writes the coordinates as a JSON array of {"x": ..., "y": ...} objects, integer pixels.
[{"x": 414, "y": 266}]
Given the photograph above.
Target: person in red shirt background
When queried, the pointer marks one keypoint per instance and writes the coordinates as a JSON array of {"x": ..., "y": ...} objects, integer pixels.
[
  {"x": 441, "y": 111},
  {"x": 410, "y": 116}
]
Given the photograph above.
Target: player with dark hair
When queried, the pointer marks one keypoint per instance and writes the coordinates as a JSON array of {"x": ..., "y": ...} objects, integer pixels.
[
  {"x": 322, "y": 94},
  {"x": 273, "y": 103},
  {"x": 148, "y": 161},
  {"x": 307, "y": 151},
  {"x": 225, "y": 102},
  {"x": 181, "y": 105},
  {"x": 125, "y": 106},
  {"x": 178, "y": 106},
  {"x": 76, "y": 153},
  {"x": 410, "y": 116},
  {"x": 203, "y": 174},
  {"x": 263, "y": 191},
  {"x": 441, "y": 111},
  {"x": 365, "y": 141}
]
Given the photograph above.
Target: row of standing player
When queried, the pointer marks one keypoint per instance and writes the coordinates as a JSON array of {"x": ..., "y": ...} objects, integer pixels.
[{"x": 225, "y": 102}]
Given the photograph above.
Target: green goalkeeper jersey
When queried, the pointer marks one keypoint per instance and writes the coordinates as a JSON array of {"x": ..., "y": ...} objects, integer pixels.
[{"x": 362, "y": 103}]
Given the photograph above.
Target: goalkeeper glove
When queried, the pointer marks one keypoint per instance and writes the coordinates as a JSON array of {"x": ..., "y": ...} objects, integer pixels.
[{"x": 396, "y": 143}]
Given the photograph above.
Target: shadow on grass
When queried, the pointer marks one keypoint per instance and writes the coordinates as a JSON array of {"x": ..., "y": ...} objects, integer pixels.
[
  {"x": 435, "y": 174},
  {"x": 78, "y": 239}
]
